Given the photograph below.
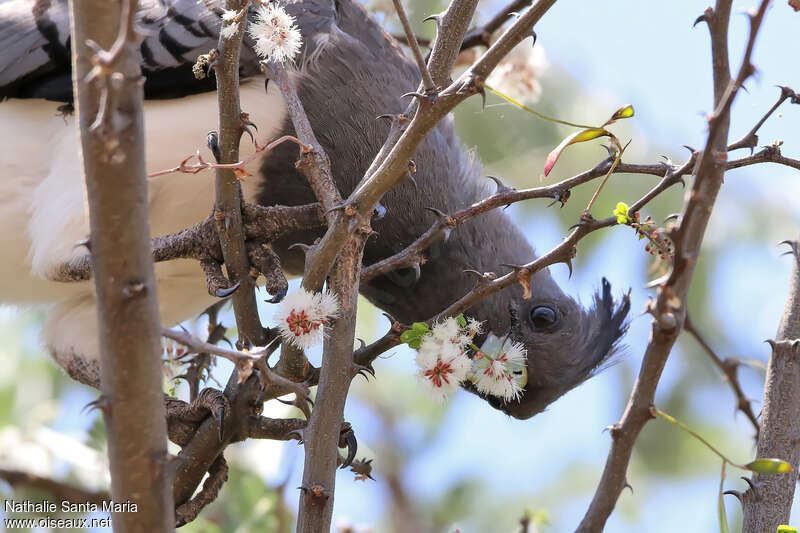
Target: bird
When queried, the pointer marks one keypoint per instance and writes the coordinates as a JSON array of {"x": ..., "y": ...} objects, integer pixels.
[{"x": 349, "y": 72}]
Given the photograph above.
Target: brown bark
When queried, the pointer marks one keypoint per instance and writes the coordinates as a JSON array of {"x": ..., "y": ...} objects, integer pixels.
[
  {"x": 110, "y": 100},
  {"x": 769, "y": 502}
]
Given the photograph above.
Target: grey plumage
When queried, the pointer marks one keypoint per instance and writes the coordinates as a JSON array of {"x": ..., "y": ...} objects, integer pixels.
[{"x": 351, "y": 72}]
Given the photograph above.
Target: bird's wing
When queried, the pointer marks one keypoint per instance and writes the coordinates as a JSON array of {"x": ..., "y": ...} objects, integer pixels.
[
  {"x": 35, "y": 44},
  {"x": 35, "y": 47}
]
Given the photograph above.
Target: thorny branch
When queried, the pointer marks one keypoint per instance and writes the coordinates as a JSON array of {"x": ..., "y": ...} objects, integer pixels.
[
  {"x": 108, "y": 84},
  {"x": 392, "y": 161},
  {"x": 669, "y": 308},
  {"x": 730, "y": 369},
  {"x": 229, "y": 192},
  {"x": 768, "y": 501},
  {"x": 411, "y": 40},
  {"x": 413, "y": 255},
  {"x": 750, "y": 139},
  {"x": 316, "y": 167}
]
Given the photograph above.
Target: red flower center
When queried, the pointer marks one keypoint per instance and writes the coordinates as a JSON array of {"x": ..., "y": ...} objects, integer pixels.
[
  {"x": 438, "y": 374},
  {"x": 300, "y": 324}
]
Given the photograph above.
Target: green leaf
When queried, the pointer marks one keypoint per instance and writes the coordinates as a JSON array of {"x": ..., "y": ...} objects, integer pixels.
[
  {"x": 769, "y": 466},
  {"x": 786, "y": 529},
  {"x": 413, "y": 337},
  {"x": 622, "y": 112},
  {"x": 461, "y": 320},
  {"x": 581, "y": 136},
  {"x": 621, "y": 212}
]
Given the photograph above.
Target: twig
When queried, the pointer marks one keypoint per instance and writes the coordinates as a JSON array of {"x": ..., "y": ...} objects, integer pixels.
[
  {"x": 482, "y": 35},
  {"x": 108, "y": 89},
  {"x": 562, "y": 253},
  {"x": 228, "y": 189},
  {"x": 244, "y": 362},
  {"x": 391, "y": 164},
  {"x": 59, "y": 491},
  {"x": 730, "y": 368},
  {"x": 669, "y": 308},
  {"x": 769, "y": 502},
  {"x": 316, "y": 167},
  {"x": 411, "y": 41},
  {"x": 451, "y": 26},
  {"x": 202, "y": 164},
  {"x": 750, "y": 139},
  {"x": 413, "y": 254},
  {"x": 321, "y": 451}
]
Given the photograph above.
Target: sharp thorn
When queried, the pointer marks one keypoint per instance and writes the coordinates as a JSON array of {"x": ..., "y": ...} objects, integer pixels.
[
  {"x": 301, "y": 246},
  {"x": 335, "y": 208},
  {"x": 85, "y": 243},
  {"x": 419, "y": 96},
  {"x": 417, "y": 271},
  {"x": 436, "y": 212},
  {"x": 501, "y": 187},
  {"x": 734, "y": 493}
]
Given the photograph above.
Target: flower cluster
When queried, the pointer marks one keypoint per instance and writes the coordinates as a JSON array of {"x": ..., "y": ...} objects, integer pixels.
[
  {"x": 497, "y": 373},
  {"x": 442, "y": 359},
  {"x": 443, "y": 362},
  {"x": 301, "y": 315},
  {"x": 275, "y": 35},
  {"x": 230, "y": 23},
  {"x": 658, "y": 243}
]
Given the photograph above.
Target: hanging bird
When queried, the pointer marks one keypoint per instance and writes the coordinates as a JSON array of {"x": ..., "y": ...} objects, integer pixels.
[{"x": 349, "y": 71}]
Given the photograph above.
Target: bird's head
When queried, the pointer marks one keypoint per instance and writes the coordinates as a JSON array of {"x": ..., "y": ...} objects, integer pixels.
[{"x": 566, "y": 344}]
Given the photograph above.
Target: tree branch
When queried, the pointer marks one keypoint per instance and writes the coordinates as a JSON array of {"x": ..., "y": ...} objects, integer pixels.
[
  {"x": 229, "y": 192},
  {"x": 769, "y": 502},
  {"x": 108, "y": 85},
  {"x": 669, "y": 308},
  {"x": 392, "y": 161},
  {"x": 730, "y": 369}
]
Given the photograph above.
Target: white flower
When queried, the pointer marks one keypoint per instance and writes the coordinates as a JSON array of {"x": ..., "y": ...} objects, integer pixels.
[
  {"x": 474, "y": 327},
  {"x": 276, "y": 37},
  {"x": 442, "y": 375},
  {"x": 517, "y": 76},
  {"x": 441, "y": 359},
  {"x": 500, "y": 374},
  {"x": 449, "y": 332},
  {"x": 302, "y": 314},
  {"x": 229, "y": 30},
  {"x": 228, "y": 15}
]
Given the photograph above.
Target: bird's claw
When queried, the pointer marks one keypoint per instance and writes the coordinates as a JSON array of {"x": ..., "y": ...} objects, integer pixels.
[
  {"x": 225, "y": 292},
  {"x": 347, "y": 439}
]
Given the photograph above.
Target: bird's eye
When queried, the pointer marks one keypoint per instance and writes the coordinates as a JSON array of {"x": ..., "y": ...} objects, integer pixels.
[{"x": 543, "y": 317}]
